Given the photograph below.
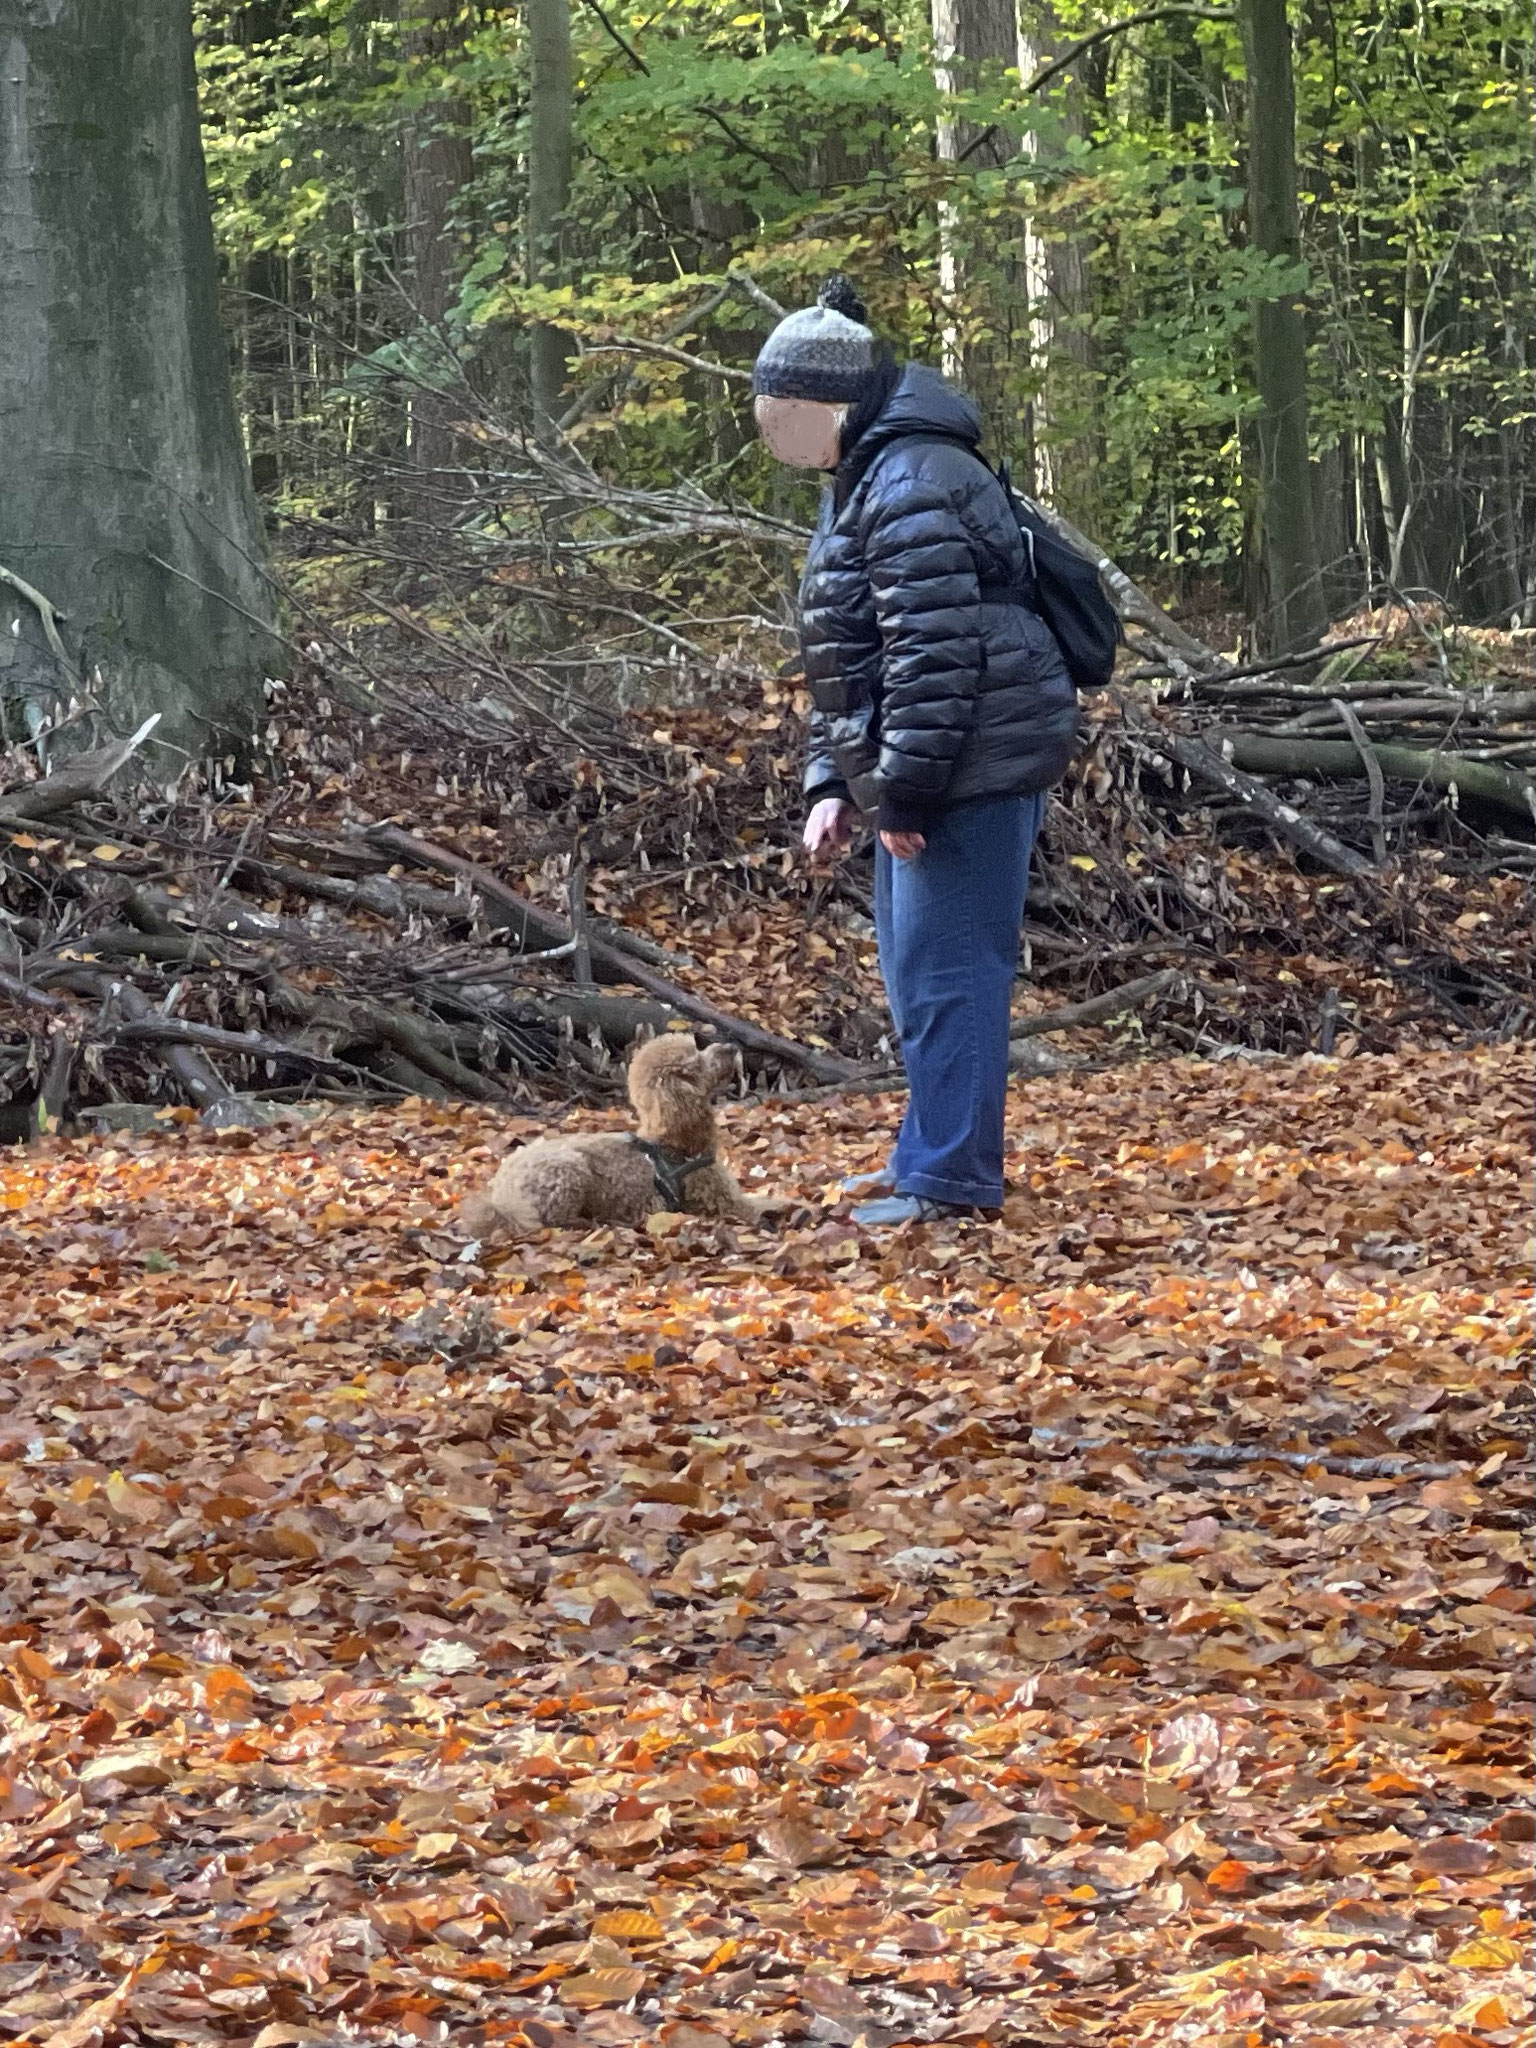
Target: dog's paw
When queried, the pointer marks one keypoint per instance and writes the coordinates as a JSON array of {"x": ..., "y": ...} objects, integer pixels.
[{"x": 479, "y": 1218}]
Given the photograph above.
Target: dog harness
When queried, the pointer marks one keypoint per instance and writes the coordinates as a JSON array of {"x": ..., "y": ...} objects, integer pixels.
[{"x": 671, "y": 1169}]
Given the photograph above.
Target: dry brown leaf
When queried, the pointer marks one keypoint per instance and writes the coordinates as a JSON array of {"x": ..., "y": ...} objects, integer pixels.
[
  {"x": 89, "y": 2027},
  {"x": 1453, "y": 1856},
  {"x": 629, "y": 1924},
  {"x": 137, "y": 1767},
  {"x": 794, "y": 1843},
  {"x": 602, "y": 1987},
  {"x": 950, "y": 1617}
]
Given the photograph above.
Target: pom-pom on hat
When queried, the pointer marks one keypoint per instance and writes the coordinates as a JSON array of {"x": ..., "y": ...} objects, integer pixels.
[{"x": 826, "y": 352}]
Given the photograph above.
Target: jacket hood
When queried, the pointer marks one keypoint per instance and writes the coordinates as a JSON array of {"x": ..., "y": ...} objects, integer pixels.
[{"x": 922, "y": 403}]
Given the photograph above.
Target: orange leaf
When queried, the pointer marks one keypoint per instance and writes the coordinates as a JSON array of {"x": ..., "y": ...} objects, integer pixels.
[
  {"x": 951, "y": 1616},
  {"x": 1230, "y": 1876},
  {"x": 602, "y": 1987},
  {"x": 227, "y": 1694},
  {"x": 1487, "y": 1952},
  {"x": 626, "y": 1924},
  {"x": 1490, "y": 2015}
]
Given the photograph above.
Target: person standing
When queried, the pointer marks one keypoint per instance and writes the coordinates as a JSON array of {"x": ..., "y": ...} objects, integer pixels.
[{"x": 942, "y": 712}]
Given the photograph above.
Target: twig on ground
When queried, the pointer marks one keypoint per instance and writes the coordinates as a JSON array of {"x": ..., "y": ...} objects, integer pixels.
[
  {"x": 86, "y": 775},
  {"x": 1391, "y": 1467}
]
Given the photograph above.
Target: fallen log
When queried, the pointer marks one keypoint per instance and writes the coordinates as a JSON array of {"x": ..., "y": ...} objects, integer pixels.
[
  {"x": 1272, "y": 754},
  {"x": 618, "y": 1020},
  {"x": 384, "y": 897},
  {"x": 203, "y": 1083},
  {"x": 1214, "y": 768},
  {"x": 379, "y": 894},
  {"x": 1371, "y": 763},
  {"x": 127, "y": 942},
  {"x": 1096, "y": 1009},
  {"x": 542, "y": 929},
  {"x": 413, "y": 1041},
  {"x": 21, "y": 991}
]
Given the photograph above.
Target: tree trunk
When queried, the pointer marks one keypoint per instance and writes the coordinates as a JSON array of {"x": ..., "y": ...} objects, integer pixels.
[
  {"x": 968, "y": 34},
  {"x": 438, "y": 165},
  {"x": 1066, "y": 431},
  {"x": 549, "y": 189},
  {"x": 1297, "y": 615},
  {"x": 126, "y": 499}
]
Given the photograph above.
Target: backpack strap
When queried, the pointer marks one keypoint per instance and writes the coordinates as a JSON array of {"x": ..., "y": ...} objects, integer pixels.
[
  {"x": 670, "y": 1169},
  {"x": 1004, "y": 474}
]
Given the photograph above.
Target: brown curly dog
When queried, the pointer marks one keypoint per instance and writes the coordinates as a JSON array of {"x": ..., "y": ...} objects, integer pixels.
[{"x": 671, "y": 1162}]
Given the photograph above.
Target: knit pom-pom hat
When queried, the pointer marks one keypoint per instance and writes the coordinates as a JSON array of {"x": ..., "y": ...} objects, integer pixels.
[{"x": 826, "y": 352}]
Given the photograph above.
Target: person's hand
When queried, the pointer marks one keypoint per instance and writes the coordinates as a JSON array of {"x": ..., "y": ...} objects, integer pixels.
[
  {"x": 830, "y": 827},
  {"x": 903, "y": 845}
]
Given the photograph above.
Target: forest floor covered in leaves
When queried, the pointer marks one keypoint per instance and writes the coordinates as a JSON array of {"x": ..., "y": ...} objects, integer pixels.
[{"x": 703, "y": 1636}]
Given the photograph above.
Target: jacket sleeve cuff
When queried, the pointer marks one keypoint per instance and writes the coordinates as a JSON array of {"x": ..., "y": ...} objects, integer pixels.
[
  {"x": 823, "y": 790},
  {"x": 900, "y": 812}
]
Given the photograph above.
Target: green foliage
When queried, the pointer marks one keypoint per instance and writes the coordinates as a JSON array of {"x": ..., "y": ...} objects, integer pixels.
[{"x": 798, "y": 139}]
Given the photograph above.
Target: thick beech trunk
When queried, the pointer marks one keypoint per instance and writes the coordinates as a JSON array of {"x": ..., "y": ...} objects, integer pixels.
[{"x": 125, "y": 497}]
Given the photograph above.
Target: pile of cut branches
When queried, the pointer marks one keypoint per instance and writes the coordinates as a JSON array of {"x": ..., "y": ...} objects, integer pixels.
[{"x": 438, "y": 889}]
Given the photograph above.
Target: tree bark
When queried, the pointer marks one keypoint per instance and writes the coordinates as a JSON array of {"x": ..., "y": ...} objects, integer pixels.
[
  {"x": 1511, "y": 789},
  {"x": 968, "y": 35},
  {"x": 1297, "y": 615},
  {"x": 126, "y": 498},
  {"x": 1065, "y": 428},
  {"x": 438, "y": 165},
  {"x": 550, "y": 105}
]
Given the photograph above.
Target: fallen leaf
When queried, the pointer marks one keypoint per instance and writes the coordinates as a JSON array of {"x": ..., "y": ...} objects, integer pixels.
[
  {"x": 833, "y": 1999},
  {"x": 1488, "y": 1952},
  {"x": 1452, "y": 1856},
  {"x": 136, "y": 1767},
  {"x": 1185, "y": 1746},
  {"x": 628, "y": 1924},
  {"x": 949, "y": 1617},
  {"x": 227, "y": 1694},
  {"x": 90, "y": 2026},
  {"x": 792, "y": 1842},
  {"x": 448, "y": 1657},
  {"x": 602, "y": 1987}
]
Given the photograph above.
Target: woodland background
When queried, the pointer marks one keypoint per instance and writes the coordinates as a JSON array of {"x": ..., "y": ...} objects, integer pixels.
[
  {"x": 1109, "y": 1623},
  {"x": 401, "y": 200}
]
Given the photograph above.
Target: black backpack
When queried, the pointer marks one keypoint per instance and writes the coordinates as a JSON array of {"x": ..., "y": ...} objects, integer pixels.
[{"x": 1068, "y": 595}]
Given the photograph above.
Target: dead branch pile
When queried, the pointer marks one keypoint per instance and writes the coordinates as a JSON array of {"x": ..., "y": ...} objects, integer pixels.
[{"x": 454, "y": 881}]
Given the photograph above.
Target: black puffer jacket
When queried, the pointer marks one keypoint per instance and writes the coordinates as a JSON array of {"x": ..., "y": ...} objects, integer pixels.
[{"x": 932, "y": 680}]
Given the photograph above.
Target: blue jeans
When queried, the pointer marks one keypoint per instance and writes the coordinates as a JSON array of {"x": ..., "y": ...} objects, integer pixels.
[{"x": 948, "y": 925}]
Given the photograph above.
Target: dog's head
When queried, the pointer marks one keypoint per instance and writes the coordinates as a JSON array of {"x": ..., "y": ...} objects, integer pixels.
[{"x": 671, "y": 1082}]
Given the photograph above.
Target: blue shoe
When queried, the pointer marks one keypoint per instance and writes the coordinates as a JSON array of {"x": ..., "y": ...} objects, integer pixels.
[
  {"x": 897, "y": 1209},
  {"x": 881, "y": 1182}
]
